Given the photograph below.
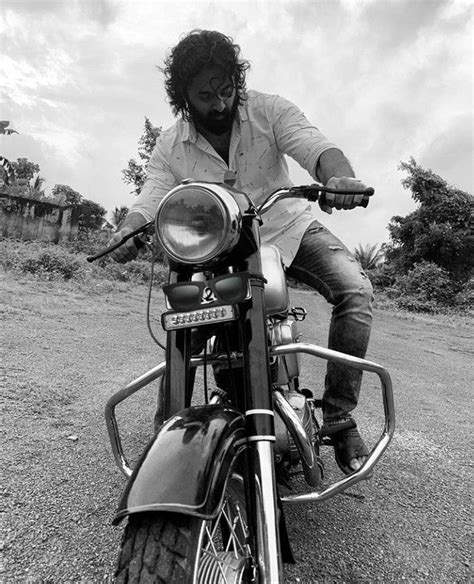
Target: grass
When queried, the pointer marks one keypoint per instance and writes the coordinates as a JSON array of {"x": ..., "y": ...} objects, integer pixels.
[
  {"x": 60, "y": 263},
  {"x": 66, "y": 265}
]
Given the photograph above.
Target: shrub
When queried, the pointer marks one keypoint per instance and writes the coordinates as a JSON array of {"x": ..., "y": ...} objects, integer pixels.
[
  {"x": 382, "y": 276},
  {"x": 138, "y": 271},
  {"x": 465, "y": 297},
  {"x": 88, "y": 242},
  {"x": 52, "y": 264},
  {"x": 49, "y": 261},
  {"x": 41, "y": 259},
  {"x": 427, "y": 287}
]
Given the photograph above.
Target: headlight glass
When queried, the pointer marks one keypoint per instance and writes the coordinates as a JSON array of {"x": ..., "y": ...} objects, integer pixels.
[{"x": 197, "y": 222}]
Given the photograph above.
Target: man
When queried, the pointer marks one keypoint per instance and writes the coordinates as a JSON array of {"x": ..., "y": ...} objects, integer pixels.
[{"x": 228, "y": 134}]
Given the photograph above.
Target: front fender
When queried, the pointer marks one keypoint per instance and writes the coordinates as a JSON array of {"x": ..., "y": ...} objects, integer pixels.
[{"x": 185, "y": 466}]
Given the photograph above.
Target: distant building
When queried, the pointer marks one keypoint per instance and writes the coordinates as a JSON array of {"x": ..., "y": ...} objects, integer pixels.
[{"x": 25, "y": 218}]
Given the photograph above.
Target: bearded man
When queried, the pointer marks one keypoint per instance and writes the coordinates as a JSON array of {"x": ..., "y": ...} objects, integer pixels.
[{"x": 228, "y": 134}]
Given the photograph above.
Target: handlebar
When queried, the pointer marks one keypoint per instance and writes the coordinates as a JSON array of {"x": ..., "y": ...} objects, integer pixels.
[
  {"x": 312, "y": 193},
  {"x": 137, "y": 240}
]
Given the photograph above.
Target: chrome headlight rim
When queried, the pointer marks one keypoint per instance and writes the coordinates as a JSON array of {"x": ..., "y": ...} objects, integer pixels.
[{"x": 232, "y": 222}]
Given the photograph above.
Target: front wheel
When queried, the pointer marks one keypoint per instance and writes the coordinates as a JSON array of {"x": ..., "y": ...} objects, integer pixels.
[{"x": 172, "y": 548}]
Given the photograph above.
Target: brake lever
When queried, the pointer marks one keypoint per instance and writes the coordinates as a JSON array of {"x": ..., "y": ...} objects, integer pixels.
[{"x": 137, "y": 240}]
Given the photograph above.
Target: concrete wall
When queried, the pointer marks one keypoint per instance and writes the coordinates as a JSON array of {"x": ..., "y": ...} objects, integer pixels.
[{"x": 25, "y": 218}]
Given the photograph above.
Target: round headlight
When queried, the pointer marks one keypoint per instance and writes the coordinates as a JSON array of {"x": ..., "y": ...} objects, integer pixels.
[{"x": 198, "y": 222}]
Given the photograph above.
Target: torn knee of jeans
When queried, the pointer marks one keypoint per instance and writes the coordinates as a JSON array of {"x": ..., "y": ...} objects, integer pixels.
[
  {"x": 350, "y": 257},
  {"x": 316, "y": 229}
]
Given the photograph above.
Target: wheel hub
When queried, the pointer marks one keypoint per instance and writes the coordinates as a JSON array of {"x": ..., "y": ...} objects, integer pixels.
[{"x": 222, "y": 568}]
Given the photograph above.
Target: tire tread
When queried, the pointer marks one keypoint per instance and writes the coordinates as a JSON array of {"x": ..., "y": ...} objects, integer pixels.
[{"x": 155, "y": 548}]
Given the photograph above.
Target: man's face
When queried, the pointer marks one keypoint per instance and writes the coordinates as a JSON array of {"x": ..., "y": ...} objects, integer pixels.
[{"x": 212, "y": 100}]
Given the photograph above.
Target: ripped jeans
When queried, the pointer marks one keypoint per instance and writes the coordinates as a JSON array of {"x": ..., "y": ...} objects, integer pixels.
[{"x": 324, "y": 263}]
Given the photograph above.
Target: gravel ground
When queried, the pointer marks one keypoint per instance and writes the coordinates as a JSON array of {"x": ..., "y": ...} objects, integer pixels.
[{"x": 67, "y": 350}]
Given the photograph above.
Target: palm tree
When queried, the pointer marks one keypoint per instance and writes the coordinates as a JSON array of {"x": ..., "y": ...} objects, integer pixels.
[
  {"x": 369, "y": 256},
  {"x": 118, "y": 215},
  {"x": 5, "y": 130},
  {"x": 36, "y": 187}
]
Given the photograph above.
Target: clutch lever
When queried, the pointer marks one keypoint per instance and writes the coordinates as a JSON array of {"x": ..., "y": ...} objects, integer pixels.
[{"x": 135, "y": 234}]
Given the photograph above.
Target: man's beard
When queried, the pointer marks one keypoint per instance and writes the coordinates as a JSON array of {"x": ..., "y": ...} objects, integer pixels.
[{"x": 214, "y": 122}]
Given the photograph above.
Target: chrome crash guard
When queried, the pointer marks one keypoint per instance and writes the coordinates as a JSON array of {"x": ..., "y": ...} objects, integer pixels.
[
  {"x": 230, "y": 423},
  {"x": 389, "y": 417}
]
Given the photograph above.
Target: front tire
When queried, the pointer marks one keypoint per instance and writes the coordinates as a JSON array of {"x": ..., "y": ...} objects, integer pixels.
[{"x": 172, "y": 548}]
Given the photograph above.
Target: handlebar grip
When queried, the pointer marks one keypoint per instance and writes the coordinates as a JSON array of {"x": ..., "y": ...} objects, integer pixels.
[{"x": 368, "y": 192}]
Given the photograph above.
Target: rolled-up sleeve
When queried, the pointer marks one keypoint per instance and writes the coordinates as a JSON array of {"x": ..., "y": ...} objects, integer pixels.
[
  {"x": 160, "y": 179},
  {"x": 296, "y": 136}
]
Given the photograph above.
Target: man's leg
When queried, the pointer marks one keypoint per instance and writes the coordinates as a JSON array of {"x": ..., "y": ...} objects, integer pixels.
[{"x": 324, "y": 263}]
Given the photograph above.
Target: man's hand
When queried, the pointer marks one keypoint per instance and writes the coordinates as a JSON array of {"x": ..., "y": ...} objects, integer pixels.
[
  {"x": 126, "y": 252},
  {"x": 129, "y": 250},
  {"x": 334, "y": 201}
]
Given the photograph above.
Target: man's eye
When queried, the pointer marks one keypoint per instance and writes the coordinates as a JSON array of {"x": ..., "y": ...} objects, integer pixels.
[{"x": 227, "y": 91}]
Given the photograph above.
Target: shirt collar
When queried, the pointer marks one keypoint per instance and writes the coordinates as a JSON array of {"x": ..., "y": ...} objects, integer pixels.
[
  {"x": 189, "y": 132},
  {"x": 242, "y": 114}
]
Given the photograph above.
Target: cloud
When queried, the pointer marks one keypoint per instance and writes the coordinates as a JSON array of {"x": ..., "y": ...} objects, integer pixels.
[
  {"x": 391, "y": 25},
  {"x": 385, "y": 80},
  {"x": 450, "y": 150},
  {"x": 101, "y": 12}
]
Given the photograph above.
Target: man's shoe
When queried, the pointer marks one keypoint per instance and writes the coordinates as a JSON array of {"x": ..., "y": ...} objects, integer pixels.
[{"x": 350, "y": 450}]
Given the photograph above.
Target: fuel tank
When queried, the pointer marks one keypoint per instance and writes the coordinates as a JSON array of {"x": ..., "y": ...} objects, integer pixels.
[{"x": 277, "y": 299}]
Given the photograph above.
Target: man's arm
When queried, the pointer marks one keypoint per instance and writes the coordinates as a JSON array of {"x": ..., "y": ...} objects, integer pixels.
[
  {"x": 335, "y": 171},
  {"x": 298, "y": 138},
  {"x": 333, "y": 163},
  {"x": 160, "y": 180}
]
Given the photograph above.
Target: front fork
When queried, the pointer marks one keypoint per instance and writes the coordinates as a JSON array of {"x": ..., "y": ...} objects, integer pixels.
[
  {"x": 258, "y": 406},
  {"x": 261, "y": 490}
]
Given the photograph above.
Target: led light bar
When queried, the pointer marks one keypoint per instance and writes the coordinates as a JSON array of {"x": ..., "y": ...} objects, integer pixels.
[{"x": 176, "y": 320}]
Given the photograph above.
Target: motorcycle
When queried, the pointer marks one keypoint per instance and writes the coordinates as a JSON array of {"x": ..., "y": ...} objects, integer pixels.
[{"x": 204, "y": 502}]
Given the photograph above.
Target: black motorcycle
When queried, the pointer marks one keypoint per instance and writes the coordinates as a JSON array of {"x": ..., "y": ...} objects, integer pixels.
[{"x": 203, "y": 503}]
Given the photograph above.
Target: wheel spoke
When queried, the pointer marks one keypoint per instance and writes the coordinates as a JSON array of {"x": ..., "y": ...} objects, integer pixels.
[{"x": 225, "y": 553}]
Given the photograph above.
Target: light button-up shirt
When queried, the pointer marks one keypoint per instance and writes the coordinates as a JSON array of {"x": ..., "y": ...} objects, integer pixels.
[{"x": 266, "y": 128}]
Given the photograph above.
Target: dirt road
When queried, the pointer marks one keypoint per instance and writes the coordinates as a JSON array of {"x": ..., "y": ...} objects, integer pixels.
[{"x": 67, "y": 351}]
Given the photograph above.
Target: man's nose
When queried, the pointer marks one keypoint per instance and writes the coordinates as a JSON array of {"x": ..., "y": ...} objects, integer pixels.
[{"x": 219, "y": 104}]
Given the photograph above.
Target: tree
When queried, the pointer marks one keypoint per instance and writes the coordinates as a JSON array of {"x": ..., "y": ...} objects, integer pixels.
[
  {"x": 4, "y": 129},
  {"x": 24, "y": 169},
  {"x": 36, "y": 187},
  {"x": 440, "y": 230},
  {"x": 118, "y": 215},
  {"x": 135, "y": 173},
  {"x": 91, "y": 213},
  {"x": 92, "y": 216},
  {"x": 65, "y": 195},
  {"x": 7, "y": 172},
  {"x": 370, "y": 256}
]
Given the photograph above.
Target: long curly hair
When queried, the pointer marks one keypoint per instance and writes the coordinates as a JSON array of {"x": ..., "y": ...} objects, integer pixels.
[{"x": 197, "y": 50}]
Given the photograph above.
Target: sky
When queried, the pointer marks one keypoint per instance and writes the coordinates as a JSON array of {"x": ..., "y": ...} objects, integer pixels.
[{"x": 386, "y": 80}]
